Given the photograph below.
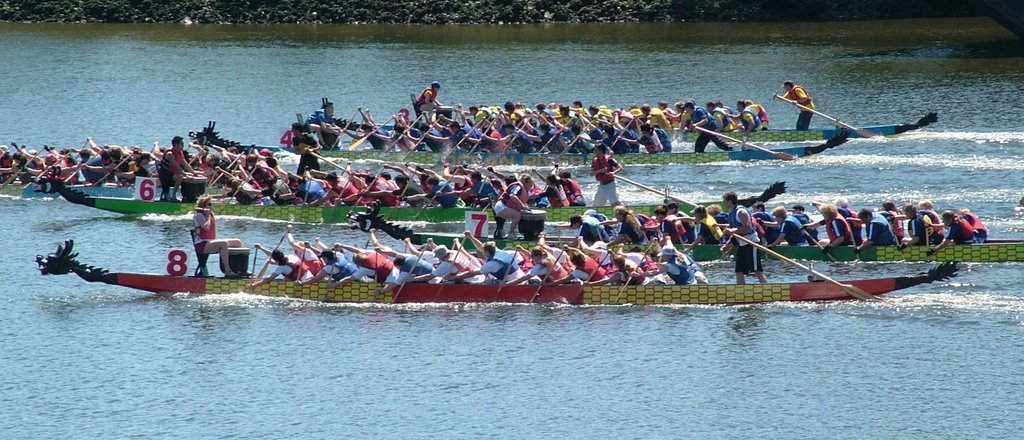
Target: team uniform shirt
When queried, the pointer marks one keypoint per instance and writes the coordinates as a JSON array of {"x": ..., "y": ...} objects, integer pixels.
[
  {"x": 879, "y": 232},
  {"x": 793, "y": 231}
]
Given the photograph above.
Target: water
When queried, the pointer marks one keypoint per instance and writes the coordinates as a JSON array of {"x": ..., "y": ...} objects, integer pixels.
[{"x": 937, "y": 361}]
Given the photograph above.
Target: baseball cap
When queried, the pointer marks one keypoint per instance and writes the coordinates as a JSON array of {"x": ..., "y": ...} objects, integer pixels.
[
  {"x": 441, "y": 252},
  {"x": 435, "y": 85},
  {"x": 668, "y": 252},
  {"x": 600, "y": 245},
  {"x": 265, "y": 152}
]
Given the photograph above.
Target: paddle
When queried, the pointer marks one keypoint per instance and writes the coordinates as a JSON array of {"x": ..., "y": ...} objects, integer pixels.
[
  {"x": 511, "y": 267},
  {"x": 101, "y": 179},
  {"x": 559, "y": 257},
  {"x": 648, "y": 188},
  {"x": 630, "y": 277},
  {"x": 263, "y": 271},
  {"x": 778, "y": 154},
  {"x": 388, "y": 147},
  {"x": 230, "y": 165},
  {"x": 860, "y": 131},
  {"x": 360, "y": 141},
  {"x": 851, "y": 290},
  {"x": 426, "y": 205}
]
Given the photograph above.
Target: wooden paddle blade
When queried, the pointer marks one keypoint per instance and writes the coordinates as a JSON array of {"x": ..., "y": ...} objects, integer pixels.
[
  {"x": 859, "y": 293},
  {"x": 359, "y": 142},
  {"x": 860, "y": 131}
]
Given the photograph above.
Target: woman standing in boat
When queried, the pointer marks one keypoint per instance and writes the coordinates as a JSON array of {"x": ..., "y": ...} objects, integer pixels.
[{"x": 204, "y": 236}]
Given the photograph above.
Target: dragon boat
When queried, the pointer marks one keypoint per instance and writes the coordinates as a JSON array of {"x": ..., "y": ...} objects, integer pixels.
[
  {"x": 64, "y": 261},
  {"x": 42, "y": 190},
  {"x": 337, "y": 214},
  {"x": 994, "y": 251},
  {"x": 578, "y": 159}
]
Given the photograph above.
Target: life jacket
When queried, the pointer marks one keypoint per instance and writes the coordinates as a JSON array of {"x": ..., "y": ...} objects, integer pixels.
[
  {"x": 794, "y": 95},
  {"x": 558, "y": 274},
  {"x": 848, "y": 233},
  {"x": 754, "y": 120},
  {"x": 427, "y": 92},
  {"x": 590, "y": 266},
  {"x": 513, "y": 190},
  {"x": 557, "y": 197},
  {"x": 722, "y": 117},
  {"x": 675, "y": 229},
  {"x": 798, "y": 239},
  {"x": 505, "y": 259},
  {"x": 933, "y": 225},
  {"x": 314, "y": 265},
  {"x": 761, "y": 114},
  {"x": 262, "y": 177},
  {"x": 574, "y": 192},
  {"x": 712, "y": 225},
  {"x": 734, "y": 221},
  {"x": 685, "y": 275},
  {"x": 603, "y": 164},
  {"x": 380, "y": 265},
  {"x": 211, "y": 232},
  {"x": 897, "y": 226},
  {"x": 975, "y": 222},
  {"x": 297, "y": 268},
  {"x": 345, "y": 267},
  {"x": 966, "y": 231}
]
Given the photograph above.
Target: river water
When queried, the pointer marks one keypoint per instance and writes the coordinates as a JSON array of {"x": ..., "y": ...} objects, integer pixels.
[{"x": 937, "y": 361}]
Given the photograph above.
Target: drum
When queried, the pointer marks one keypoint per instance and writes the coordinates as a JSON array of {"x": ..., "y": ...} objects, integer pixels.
[
  {"x": 238, "y": 260},
  {"x": 192, "y": 188},
  {"x": 532, "y": 223}
]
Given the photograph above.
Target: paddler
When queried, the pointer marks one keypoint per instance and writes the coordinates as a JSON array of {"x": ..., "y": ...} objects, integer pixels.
[
  {"x": 499, "y": 266},
  {"x": 699, "y": 117},
  {"x": 204, "y": 235},
  {"x": 838, "y": 229},
  {"x": 791, "y": 231},
  {"x": 676, "y": 268},
  {"x": 796, "y": 92},
  {"x": 748, "y": 257},
  {"x": 980, "y": 231},
  {"x": 877, "y": 230},
  {"x": 173, "y": 169},
  {"x": 958, "y": 231}
]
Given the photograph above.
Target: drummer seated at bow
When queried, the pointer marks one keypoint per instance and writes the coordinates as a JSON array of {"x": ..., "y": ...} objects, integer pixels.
[
  {"x": 499, "y": 265},
  {"x": 958, "y": 231},
  {"x": 323, "y": 124},
  {"x": 204, "y": 236},
  {"x": 675, "y": 267}
]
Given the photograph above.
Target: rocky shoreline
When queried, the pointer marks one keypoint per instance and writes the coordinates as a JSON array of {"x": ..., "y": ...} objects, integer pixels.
[{"x": 469, "y": 12}]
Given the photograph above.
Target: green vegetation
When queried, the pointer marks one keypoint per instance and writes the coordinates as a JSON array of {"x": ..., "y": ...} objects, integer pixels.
[{"x": 472, "y": 11}]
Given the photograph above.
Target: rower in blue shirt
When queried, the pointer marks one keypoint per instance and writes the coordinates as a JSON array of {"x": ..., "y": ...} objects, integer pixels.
[
  {"x": 877, "y": 230},
  {"x": 791, "y": 231}
]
